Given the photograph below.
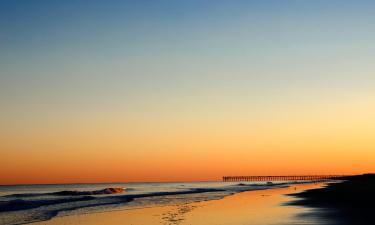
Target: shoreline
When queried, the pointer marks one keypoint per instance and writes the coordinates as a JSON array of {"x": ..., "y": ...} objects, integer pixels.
[
  {"x": 33, "y": 206},
  {"x": 269, "y": 201}
]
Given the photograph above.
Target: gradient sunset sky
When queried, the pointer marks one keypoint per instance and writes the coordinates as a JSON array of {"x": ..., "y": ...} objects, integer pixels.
[{"x": 102, "y": 91}]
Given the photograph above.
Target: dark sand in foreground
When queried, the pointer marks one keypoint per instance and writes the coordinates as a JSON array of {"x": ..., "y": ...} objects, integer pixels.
[{"x": 349, "y": 202}]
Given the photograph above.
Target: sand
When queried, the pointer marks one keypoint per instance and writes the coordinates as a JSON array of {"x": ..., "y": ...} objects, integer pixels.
[{"x": 252, "y": 207}]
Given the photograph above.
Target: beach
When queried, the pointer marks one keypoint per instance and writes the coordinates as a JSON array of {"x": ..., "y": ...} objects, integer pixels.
[
  {"x": 250, "y": 207},
  {"x": 344, "y": 201}
]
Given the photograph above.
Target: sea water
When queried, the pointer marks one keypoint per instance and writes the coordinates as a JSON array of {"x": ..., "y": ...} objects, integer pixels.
[{"x": 21, "y": 204}]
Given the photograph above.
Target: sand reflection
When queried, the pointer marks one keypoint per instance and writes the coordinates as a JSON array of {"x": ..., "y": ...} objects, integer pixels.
[{"x": 253, "y": 207}]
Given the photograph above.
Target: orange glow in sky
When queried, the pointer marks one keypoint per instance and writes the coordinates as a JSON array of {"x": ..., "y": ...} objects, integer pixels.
[{"x": 298, "y": 139}]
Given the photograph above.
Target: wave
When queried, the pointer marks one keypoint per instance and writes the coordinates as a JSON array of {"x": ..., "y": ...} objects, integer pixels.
[{"x": 105, "y": 191}]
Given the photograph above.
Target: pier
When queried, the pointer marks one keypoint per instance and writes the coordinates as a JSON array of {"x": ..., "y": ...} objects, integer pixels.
[{"x": 280, "y": 178}]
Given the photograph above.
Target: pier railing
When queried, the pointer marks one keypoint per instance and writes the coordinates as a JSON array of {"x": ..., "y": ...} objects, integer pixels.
[{"x": 280, "y": 178}]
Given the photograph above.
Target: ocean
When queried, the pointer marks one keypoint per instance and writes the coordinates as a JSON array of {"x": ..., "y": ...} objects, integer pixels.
[{"x": 22, "y": 204}]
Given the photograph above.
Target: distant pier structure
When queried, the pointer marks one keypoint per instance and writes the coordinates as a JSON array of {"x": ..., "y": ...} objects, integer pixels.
[{"x": 280, "y": 178}]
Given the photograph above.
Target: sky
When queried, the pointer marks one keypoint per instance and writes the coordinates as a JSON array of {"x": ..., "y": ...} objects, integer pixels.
[{"x": 144, "y": 91}]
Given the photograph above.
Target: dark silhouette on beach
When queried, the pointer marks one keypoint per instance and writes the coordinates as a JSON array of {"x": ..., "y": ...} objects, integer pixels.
[{"x": 351, "y": 201}]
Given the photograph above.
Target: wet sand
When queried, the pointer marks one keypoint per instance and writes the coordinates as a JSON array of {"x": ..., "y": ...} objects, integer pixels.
[{"x": 253, "y": 207}]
